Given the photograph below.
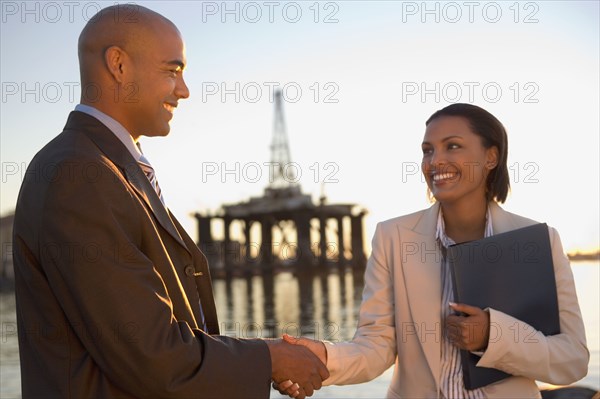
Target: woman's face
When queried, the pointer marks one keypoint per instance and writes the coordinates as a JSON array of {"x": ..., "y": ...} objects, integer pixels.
[{"x": 455, "y": 162}]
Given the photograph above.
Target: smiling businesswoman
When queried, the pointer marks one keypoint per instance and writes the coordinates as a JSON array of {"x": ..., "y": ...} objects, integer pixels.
[{"x": 407, "y": 312}]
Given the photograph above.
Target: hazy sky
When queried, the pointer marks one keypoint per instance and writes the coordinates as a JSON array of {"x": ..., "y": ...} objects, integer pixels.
[{"x": 360, "y": 79}]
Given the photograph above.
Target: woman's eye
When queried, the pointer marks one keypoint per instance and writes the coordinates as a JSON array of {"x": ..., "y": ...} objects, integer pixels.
[
  {"x": 453, "y": 146},
  {"x": 427, "y": 151}
]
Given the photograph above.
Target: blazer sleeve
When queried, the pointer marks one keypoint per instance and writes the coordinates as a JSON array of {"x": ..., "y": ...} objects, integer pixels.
[
  {"x": 117, "y": 304},
  {"x": 518, "y": 349},
  {"x": 373, "y": 348}
]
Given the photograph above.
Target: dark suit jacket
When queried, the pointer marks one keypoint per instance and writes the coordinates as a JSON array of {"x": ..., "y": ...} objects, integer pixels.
[{"x": 108, "y": 284}]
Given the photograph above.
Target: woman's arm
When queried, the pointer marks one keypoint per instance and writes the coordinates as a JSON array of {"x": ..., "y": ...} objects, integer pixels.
[
  {"x": 518, "y": 349},
  {"x": 373, "y": 348}
]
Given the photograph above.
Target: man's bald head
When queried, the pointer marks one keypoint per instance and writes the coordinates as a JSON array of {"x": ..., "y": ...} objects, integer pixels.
[
  {"x": 128, "y": 26},
  {"x": 131, "y": 62}
]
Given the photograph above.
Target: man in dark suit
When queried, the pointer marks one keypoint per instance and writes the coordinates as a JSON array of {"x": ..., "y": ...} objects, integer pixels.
[{"x": 114, "y": 299}]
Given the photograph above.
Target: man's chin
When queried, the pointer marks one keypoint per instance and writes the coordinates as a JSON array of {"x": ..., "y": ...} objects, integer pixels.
[{"x": 158, "y": 132}]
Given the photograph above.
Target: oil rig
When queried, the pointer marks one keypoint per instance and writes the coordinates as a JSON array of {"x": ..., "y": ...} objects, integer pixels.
[{"x": 307, "y": 235}]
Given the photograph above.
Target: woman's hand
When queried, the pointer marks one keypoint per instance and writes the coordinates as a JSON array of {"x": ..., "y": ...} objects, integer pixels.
[
  {"x": 316, "y": 347},
  {"x": 469, "y": 331},
  {"x": 287, "y": 388}
]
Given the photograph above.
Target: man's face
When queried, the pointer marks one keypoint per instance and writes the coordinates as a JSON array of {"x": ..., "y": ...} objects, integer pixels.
[{"x": 157, "y": 83}]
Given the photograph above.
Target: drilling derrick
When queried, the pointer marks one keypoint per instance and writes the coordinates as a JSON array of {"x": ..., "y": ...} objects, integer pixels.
[
  {"x": 287, "y": 219},
  {"x": 283, "y": 174}
]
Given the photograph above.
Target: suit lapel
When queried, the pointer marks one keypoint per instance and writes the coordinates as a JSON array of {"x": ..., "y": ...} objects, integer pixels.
[
  {"x": 421, "y": 266},
  {"x": 112, "y": 147},
  {"x": 142, "y": 186}
]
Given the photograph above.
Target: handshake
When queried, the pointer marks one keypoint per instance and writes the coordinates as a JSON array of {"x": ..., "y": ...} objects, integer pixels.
[{"x": 298, "y": 365}]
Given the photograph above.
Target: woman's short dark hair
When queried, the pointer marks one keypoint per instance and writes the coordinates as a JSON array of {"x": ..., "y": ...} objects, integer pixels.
[{"x": 492, "y": 133}]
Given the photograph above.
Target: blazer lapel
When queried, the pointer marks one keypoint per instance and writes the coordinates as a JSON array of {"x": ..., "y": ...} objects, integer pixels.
[
  {"x": 142, "y": 186},
  {"x": 110, "y": 145},
  {"x": 421, "y": 266}
]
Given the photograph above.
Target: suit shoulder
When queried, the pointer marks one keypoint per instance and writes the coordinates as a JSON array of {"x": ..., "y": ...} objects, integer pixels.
[
  {"x": 524, "y": 221},
  {"x": 70, "y": 158},
  {"x": 68, "y": 145},
  {"x": 517, "y": 220}
]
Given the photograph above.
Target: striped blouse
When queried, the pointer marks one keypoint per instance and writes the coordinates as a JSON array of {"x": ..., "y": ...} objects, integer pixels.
[{"x": 451, "y": 381}]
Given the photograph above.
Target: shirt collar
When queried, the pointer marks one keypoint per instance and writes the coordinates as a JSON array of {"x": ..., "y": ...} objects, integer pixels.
[
  {"x": 446, "y": 241},
  {"x": 114, "y": 126}
]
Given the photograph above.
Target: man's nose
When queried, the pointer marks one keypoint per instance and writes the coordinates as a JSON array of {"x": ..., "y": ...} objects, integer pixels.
[{"x": 181, "y": 90}]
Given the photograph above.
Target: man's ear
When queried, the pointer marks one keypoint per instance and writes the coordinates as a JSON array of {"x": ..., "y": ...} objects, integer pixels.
[{"x": 114, "y": 58}]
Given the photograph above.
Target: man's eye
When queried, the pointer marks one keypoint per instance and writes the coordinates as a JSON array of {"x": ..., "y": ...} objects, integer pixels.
[{"x": 175, "y": 71}]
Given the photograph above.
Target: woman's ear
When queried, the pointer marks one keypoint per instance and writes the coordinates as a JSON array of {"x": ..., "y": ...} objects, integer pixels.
[{"x": 491, "y": 157}]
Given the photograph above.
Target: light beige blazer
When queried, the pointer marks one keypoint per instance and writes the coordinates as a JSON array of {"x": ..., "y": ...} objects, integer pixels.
[{"x": 400, "y": 319}]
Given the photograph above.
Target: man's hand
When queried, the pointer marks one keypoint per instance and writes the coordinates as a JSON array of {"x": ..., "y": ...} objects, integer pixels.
[
  {"x": 317, "y": 347},
  {"x": 470, "y": 331},
  {"x": 296, "y": 363}
]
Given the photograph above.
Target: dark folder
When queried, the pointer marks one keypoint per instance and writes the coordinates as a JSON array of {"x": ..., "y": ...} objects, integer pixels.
[{"x": 511, "y": 272}]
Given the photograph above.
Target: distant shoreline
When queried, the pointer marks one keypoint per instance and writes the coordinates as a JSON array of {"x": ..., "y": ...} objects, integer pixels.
[{"x": 577, "y": 256}]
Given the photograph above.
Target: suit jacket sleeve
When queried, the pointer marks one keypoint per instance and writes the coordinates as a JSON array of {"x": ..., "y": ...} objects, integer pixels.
[
  {"x": 118, "y": 305},
  {"x": 373, "y": 348},
  {"x": 517, "y": 348}
]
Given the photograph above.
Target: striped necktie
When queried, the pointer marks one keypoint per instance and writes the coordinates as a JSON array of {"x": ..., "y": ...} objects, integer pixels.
[{"x": 150, "y": 174}]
